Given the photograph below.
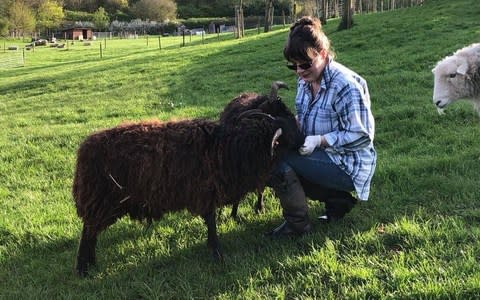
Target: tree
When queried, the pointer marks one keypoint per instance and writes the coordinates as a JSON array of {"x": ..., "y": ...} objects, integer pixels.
[
  {"x": 323, "y": 6},
  {"x": 49, "y": 15},
  {"x": 5, "y": 7},
  {"x": 156, "y": 10},
  {"x": 100, "y": 19},
  {"x": 21, "y": 18},
  {"x": 113, "y": 6},
  {"x": 239, "y": 22},
  {"x": 3, "y": 26},
  {"x": 347, "y": 18},
  {"x": 268, "y": 15}
]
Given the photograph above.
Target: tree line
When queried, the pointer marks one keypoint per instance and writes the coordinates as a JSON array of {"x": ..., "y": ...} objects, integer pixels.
[{"x": 19, "y": 17}]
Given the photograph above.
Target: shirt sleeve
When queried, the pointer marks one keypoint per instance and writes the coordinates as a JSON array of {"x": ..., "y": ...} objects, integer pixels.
[{"x": 355, "y": 119}]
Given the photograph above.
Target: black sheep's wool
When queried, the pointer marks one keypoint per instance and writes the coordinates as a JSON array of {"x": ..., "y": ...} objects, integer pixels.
[{"x": 147, "y": 169}]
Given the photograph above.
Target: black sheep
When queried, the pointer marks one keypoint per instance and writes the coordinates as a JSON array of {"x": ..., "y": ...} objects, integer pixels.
[
  {"x": 150, "y": 168},
  {"x": 271, "y": 105}
]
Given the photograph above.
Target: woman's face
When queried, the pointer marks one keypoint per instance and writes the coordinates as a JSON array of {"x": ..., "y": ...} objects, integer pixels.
[{"x": 310, "y": 71}]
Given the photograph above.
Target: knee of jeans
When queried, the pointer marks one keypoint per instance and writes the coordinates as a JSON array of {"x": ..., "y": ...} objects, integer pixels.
[
  {"x": 282, "y": 168},
  {"x": 277, "y": 177}
]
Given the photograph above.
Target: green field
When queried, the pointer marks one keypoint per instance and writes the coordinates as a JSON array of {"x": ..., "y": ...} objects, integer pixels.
[{"x": 418, "y": 237}]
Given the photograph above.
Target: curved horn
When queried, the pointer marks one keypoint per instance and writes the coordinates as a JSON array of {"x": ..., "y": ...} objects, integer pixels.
[
  {"x": 276, "y": 85},
  {"x": 254, "y": 112},
  {"x": 277, "y": 134}
]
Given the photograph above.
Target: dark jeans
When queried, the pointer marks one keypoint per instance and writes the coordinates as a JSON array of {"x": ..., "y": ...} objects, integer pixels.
[{"x": 318, "y": 169}]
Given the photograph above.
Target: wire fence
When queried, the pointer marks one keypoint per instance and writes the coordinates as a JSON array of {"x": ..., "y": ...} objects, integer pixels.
[{"x": 12, "y": 57}]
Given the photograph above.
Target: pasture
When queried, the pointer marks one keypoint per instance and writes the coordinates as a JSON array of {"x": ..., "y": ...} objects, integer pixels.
[{"x": 416, "y": 238}]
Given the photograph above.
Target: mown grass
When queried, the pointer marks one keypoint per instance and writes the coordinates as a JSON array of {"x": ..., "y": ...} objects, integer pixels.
[{"x": 417, "y": 237}]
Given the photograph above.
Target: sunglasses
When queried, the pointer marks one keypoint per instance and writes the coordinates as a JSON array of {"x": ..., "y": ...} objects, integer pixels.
[{"x": 304, "y": 66}]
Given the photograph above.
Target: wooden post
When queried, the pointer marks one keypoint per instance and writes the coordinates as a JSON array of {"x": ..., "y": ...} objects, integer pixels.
[
  {"x": 159, "y": 43},
  {"x": 105, "y": 42},
  {"x": 147, "y": 40},
  {"x": 101, "y": 54}
]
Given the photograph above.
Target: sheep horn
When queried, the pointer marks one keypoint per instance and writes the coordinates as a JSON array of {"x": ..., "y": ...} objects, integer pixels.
[
  {"x": 277, "y": 134},
  {"x": 276, "y": 85},
  {"x": 254, "y": 112}
]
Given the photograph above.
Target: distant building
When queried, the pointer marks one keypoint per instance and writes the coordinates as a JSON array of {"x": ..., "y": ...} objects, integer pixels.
[{"x": 78, "y": 33}]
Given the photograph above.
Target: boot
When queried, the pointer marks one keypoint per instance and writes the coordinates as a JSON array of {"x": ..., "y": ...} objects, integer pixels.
[
  {"x": 337, "y": 203},
  {"x": 315, "y": 191},
  {"x": 288, "y": 189},
  {"x": 338, "y": 206}
]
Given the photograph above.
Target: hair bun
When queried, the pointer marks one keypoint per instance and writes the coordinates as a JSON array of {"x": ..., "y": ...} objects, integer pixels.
[{"x": 306, "y": 21}]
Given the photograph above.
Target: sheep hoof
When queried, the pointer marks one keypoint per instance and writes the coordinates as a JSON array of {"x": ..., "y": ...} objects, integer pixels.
[
  {"x": 82, "y": 270},
  {"x": 259, "y": 210},
  {"x": 83, "y": 266},
  {"x": 238, "y": 219}
]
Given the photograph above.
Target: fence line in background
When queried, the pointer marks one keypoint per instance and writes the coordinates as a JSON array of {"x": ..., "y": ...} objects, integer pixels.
[{"x": 12, "y": 59}]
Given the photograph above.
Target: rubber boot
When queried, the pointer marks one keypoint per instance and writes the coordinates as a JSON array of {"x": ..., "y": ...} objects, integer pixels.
[
  {"x": 337, "y": 206},
  {"x": 337, "y": 203},
  {"x": 289, "y": 190}
]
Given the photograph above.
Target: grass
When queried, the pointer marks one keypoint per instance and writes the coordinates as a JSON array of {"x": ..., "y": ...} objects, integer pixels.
[{"x": 417, "y": 237}]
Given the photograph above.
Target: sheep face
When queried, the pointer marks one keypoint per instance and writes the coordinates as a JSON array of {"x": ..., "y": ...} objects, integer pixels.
[
  {"x": 286, "y": 120},
  {"x": 451, "y": 81}
]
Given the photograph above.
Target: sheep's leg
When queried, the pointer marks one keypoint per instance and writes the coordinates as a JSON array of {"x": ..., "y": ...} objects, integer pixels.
[
  {"x": 260, "y": 205},
  {"x": 234, "y": 213},
  {"x": 86, "y": 250},
  {"x": 212, "y": 238}
]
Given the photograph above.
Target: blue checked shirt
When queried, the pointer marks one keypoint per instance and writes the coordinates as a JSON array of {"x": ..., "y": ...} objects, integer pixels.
[{"x": 341, "y": 113}]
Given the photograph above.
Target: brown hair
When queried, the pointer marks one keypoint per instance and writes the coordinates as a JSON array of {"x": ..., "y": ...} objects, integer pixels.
[{"x": 306, "y": 38}]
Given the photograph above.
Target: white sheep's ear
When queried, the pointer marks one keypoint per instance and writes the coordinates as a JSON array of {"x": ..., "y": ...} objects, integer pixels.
[
  {"x": 277, "y": 134},
  {"x": 462, "y": 69}
]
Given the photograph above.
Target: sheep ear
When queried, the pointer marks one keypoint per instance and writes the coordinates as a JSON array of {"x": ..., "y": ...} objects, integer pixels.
[
  {"x": 277, "y": 135},
  {"x": 463, "y": 68}
]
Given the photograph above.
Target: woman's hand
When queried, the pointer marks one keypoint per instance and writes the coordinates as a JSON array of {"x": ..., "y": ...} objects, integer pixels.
[{"x": 312, "y": 142}]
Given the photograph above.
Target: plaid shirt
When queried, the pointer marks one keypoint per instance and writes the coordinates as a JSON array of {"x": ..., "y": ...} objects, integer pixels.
[{"x": 341, "y": 113}]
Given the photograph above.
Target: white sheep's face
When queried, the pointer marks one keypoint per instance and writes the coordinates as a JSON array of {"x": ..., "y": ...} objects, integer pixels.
[{"x": 450, "y": 76}]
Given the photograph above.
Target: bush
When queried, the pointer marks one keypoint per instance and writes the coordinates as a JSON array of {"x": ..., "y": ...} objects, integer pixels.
[{"x": 78, "y": 16}]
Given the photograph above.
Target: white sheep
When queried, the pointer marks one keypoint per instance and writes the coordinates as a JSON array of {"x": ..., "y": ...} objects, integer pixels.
[{"x": 458, "y": 77}]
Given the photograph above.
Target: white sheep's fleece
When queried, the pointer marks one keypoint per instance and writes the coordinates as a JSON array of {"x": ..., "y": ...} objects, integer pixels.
[{"x": 458, "y": 77}]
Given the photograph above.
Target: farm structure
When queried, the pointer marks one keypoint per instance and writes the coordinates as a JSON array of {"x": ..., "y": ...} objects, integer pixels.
[{"x": 78, "y": 33}]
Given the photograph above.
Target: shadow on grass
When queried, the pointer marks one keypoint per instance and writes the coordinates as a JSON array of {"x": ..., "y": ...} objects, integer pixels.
[{"x": 129, "y": 257}]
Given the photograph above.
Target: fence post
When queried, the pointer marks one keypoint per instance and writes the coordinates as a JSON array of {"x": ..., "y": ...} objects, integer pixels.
[
  {"x": 159, "y": 43},
  {"x": 105, "y": 42},
  {"x": 101, "y": 54},
  {"x": 23, "y": 58}
]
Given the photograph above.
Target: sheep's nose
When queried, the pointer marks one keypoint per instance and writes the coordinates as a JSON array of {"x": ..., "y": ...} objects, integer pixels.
[{"x": 438, "y": 103}]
